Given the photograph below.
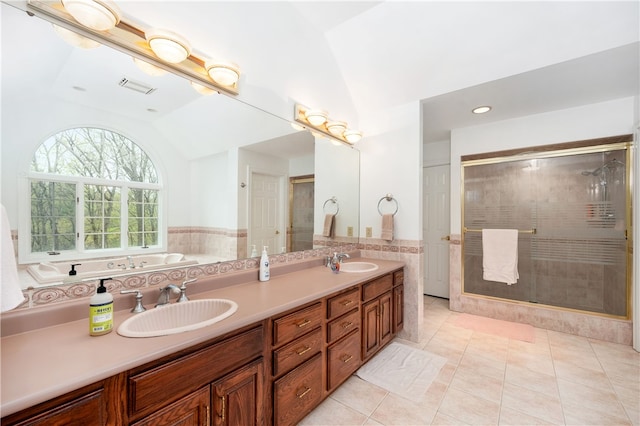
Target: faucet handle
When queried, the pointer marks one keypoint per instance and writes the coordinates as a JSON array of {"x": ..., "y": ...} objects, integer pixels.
[
  {"x": 139, "y": 307},
  {"x": 183, "y": 290}
]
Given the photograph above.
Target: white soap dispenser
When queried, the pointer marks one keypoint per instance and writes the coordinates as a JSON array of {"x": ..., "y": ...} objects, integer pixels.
[
  {"x": 101, "y": 311},
  {"x": 254, "y": 252},
  {"x": 264, "y": 265}
]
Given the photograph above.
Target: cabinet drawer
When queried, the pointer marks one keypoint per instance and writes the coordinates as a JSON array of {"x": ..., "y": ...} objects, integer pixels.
[
  {"x": 158, "y": 386},
  {"x": 297, "y": 393},
  {"x": 342, "y": 303},
  {"x": 343, "y": 359},
  {"x": 342, "y": 326},
  {"x": 398, "y": 277},
  {"x": 377, "y": 287},
  {"x": 288, "y": 327},
  {"x": 297, "y": 352}
]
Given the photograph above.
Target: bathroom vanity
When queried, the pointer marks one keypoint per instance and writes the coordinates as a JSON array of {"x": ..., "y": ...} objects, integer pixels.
[{"x": 292, "y": 341}]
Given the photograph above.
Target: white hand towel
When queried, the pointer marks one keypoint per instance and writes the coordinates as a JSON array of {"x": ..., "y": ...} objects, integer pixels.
[
  {"x": 500, "y": 255},
  {"x": 329, "y": 225},
  {"x": 10, "y": 291}
]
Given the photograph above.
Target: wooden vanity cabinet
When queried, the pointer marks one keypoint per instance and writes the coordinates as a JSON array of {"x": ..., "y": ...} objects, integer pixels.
[
  {"x": 398, "y": 301},
  {"x": 192, "y": 410},
  {"x": 297, "y": 352},
  {"x": 377, "y": 315},
  {"x": 343, "y": 337},
  {"x": 238, "y": 397}
]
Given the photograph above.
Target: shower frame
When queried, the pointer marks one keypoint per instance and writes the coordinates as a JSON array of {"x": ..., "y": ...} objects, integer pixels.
[{"x": 600, "y": 145}]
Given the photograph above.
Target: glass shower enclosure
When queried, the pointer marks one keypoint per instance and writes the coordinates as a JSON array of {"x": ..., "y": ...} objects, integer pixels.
[{"x": 572, "y": 209}]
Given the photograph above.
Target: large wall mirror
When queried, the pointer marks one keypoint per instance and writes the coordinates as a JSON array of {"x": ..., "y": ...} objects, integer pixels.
[{"x": 232, "y": 176}]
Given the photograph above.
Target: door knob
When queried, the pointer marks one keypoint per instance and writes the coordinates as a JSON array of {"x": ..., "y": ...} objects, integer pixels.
[
  {"x": 277, "y": 232},
  {"x": 446, "y": 238}
]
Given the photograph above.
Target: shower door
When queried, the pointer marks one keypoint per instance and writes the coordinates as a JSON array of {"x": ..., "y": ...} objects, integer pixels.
[{"x": 572, "y": 210}]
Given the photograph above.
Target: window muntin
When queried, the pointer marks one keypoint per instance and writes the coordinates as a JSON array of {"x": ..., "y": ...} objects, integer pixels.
[{"x": 92, "y": 190}]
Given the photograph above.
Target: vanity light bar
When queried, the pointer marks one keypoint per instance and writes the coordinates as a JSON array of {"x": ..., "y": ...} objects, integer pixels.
[
  {"x": 130, "y": 39},
  {"x": 333, "y": 130}
]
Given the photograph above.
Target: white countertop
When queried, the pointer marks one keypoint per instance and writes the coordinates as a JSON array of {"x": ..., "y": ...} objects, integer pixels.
[{"x": 48, "y": 362}]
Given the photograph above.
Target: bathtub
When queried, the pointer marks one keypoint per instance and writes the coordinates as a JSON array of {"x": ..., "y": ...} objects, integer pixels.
[{"x": 51, "y": 272}]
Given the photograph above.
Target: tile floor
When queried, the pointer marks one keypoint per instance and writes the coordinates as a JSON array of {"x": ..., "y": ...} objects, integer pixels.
[{"x": 560, "y": 379}]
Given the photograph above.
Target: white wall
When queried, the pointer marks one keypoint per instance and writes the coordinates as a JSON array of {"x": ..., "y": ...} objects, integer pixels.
[
  {"x": 209, "y": 202},
  {"x": 391, "y": 162},
  {"x": 436, "y": 153},
  {"x": 586, "y": 122},
  {"x": 302, "y": 166}
]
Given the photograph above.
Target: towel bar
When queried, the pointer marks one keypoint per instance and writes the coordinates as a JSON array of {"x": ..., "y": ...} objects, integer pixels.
[
  {"x": 389, "y": 198},
  {"x": 520, "y": 231}
]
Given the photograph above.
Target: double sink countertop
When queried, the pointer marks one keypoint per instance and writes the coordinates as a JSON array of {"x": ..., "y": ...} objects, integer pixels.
[{"x": 45, "y": 362}]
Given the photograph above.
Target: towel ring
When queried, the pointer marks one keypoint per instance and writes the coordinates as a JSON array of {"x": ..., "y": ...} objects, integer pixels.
[
  {"x": 334, "y": 200},
  {"x": 389, "y": 198}
]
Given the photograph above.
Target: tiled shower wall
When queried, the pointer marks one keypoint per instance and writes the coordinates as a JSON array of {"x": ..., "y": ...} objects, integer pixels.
[{"x": 222, "y": 243}]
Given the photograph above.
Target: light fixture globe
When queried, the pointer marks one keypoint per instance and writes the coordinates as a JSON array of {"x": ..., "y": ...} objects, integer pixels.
[
  {"x": 148, "y": 68},
  {"x": 75, "y": 39},
  {"x": 336, "y": 128},
  {"x": 223, "y": 73},
  {"x": 99, "y": 15},
  {"x": 316, "y": 117},
  {"x": 352, "y": 136},
  {"x": 168, "y": 46}
]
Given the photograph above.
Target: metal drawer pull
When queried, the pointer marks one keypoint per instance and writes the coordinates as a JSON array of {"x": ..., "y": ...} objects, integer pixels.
[
  {"x": 346, "y": 358},
  {"x": 347, "y": 324},
  {"x": 222, "y": 401},
  {"x": 306, "y": 391},
  {"x": 304, "y": 323},
  {"x": 346, "y": 302},
  {"x": 304, "y": 350}
]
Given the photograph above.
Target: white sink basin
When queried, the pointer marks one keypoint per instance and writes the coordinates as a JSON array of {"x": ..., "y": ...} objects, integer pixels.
[
  {"x": 358, "y": 267},
  {"x": 177, "y": 318}
]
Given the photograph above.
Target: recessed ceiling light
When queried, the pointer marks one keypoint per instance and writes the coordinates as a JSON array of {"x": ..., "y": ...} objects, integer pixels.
[{"x": 481, "y": 109}]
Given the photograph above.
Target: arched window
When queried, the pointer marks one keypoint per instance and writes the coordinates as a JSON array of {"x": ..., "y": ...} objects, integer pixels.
[{"x": 92, "y": 191}]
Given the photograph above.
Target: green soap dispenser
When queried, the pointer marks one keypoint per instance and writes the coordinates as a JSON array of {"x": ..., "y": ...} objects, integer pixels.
[{"x": 101, "y": 311}]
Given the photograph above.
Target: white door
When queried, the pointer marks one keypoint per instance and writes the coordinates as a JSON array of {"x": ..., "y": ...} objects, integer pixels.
[
  {"x": 436, "y": 230},
  {"x": 266, "y": 212}
]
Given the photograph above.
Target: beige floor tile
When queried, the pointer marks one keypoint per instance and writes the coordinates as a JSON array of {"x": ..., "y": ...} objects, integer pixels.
[
  {"x": 622, "y": 374},
  {"x": 532, "y": 380},
  {"x": 333, "y": 413},
  {"x": 615, "y": 352},
  {"x": 535, "y": 362},
  {"x": 487, "y": 365},
  {"x": 371, "y": 422},
  {"x": 587, "y": 404},
  {"x": 444, "y": 420},
  {"x": 535, "y": 404},
  {"x": 469, "y": 408},
  {"x": 360, "y": 395},
  {"x": 477, "y": 383},
  {"x": 630, "y": 400},
  {"x": 586, "y": 359},
  {"x": 511, "y": 417},
  {"x": 394, "y": 410},
  {"x": 586, "y": 376}
]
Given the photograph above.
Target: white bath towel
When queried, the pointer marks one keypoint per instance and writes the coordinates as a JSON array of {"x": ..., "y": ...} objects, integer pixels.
[
  {"x": 10, "y": 291},
  {"x": 500, "y": 255}
]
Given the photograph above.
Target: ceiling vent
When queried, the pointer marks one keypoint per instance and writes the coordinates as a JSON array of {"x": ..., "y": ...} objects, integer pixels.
[{"x": 136, "y": 86}]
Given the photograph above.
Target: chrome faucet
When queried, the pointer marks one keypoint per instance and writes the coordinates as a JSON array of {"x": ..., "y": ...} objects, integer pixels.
[
  {"x": 132, "y": 265},
  {"x": 165, "y": 292},
  {"x": 334, "y": 262},
  {"x": 343, "y": 256}
]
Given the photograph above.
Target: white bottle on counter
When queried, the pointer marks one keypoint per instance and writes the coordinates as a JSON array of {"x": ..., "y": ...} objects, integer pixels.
[
  {"x": 264, "y": 265},
  {"x": 254, "y": 252},
  {"x": 101, "y": 311}
]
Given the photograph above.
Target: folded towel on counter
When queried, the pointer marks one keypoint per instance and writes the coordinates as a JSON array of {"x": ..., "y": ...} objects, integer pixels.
[
  {"x": 387, "y": 227},
  {"x": 10, "y": 291},
  {"x": 329, "y": 225},
  {"x": 500, "y": 255}
]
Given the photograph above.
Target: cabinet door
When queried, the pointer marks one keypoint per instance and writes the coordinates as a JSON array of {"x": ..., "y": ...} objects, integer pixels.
[
  {"x": 192, "y": 410},
  {"x": 239, "y": 397},
  {"x": 386, "y": 318},
  {"x": 370, "y": 328},
  {"x": 343, "y": 358},
  {"x": 398, "y": 308}
]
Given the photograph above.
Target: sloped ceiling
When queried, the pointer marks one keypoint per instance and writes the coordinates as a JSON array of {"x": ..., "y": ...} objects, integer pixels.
[{"x": 354, "y": 58}]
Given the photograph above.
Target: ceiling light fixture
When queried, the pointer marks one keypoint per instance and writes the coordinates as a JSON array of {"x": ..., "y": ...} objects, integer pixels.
[
  {"x": 163, "y": 49},
  {"x": 202, "y": 89},
  {"x": 336, "y": 128},
  {"x": 99, "y": 15},
  {"x": 316, "y": 117},
  {"x": 481, "y": 109},
  {"x": 75, "y": 39},
  {"x": 318, "y": 122},
  {"x": 148, "y": 68},
  {"x": 223, "y": 73},
  {"x": 167, "y": 45}
]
